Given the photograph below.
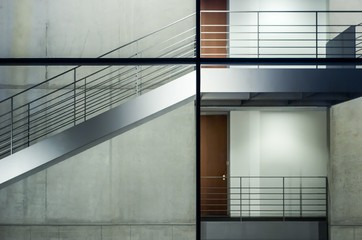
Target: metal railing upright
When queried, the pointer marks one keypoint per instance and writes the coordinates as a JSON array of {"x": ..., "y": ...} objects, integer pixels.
[
  {"x": 280, "y": 34},
  {"x": 82, "y": 92},
  {"x": 250, "y": 197}
]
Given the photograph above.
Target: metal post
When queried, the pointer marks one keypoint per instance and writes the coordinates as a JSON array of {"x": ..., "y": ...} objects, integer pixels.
[
  {"x": 258, "y": 34},
  {"x": 283, "y": 198},
  {"x": 316, "y": 35},
  {"x": 327, "y": 206},
  {"x": 85, "y": 99},
  {"x": 249, "y": 198},
  {"x": 28, "y": 124},
  {"x": 74, "y": 97},
  {"x": 300, "y": 198},
  {"x": 198, "y": 118},
  {"x": 12, "y": 124},
  {"x": 241, "y": 198}
]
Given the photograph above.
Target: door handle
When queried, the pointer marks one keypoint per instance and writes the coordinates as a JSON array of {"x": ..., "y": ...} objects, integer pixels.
[{"x": 223, "y": 177}]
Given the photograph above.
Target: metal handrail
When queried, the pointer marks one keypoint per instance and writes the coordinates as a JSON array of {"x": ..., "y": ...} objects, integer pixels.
[
  {"x": 85, "y": 96},
  {"x": 255, "y": 39},
  {"x": 105, "y": 54},
  {"x": 276, "y": 196}
]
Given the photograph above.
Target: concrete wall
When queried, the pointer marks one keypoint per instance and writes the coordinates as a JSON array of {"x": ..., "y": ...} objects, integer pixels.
[
  {"x": 345, "y": 181},
  {"x": 68, "y": 28},
  {"x": 263, "y": 230},
  {"x": 345, "y": 164},
  {"x": 139, "y": 185}
]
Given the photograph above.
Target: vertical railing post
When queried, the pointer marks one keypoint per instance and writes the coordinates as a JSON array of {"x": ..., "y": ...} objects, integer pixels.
[
  {"x": 12, "y": 124},
  {"x": 300, "y": 197},
  {"x": 28, "y": 123},
  {"x": 137, "y": 83},
  {"x": 283, "y": 198},
  {"x": 258, "y": 34},
  {"x": 85, "y": 99},
  {"x": 249, "y": 198},
  {"x": 316, "y": 35},
  {"x": 241, "y": 197},
  {"x": 327, "y": 206},
  {"x": 74, "y": 97}
]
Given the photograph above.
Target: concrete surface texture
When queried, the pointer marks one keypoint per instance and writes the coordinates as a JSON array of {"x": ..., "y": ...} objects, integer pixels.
[
  {"x": 139, "y": 185},
  {"x": 345, "y": 179},
  {"x": 81, "y": 28}
]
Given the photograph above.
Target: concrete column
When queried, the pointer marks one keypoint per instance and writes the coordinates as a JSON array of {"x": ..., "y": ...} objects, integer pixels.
[{"x": 345, "y": 168}]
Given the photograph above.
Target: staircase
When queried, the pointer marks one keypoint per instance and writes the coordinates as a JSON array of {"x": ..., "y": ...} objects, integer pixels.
[{"x": 92, "y": 104}]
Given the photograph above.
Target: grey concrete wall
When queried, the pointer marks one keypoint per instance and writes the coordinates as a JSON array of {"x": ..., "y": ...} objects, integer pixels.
[
  {"x": 263, "y": 230},
  {"x": 139, "y": 185},
  {"x": 345, "y": 179},
  {"x": 74, "y": 28},
  {"x": 81, "y": 28}
]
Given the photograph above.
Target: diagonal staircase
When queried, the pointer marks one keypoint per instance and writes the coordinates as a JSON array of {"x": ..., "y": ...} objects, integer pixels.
[{"x": 84, "y": 106}]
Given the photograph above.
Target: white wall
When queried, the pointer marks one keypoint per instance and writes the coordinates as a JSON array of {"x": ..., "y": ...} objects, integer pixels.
[
  {"x": 278, "y": 143},
  {"x": 275, "y": 143}
]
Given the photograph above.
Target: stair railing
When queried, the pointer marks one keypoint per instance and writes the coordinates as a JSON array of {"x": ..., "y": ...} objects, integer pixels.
[{"x": 82, "y": 92}]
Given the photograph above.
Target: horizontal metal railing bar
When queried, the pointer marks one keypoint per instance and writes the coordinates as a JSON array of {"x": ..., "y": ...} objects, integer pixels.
[
  {"x": 262, "y": 199},
  {"x": 262, "y": 177},
  {"x": 266, "y": 32},
  {"x": 277, "y": 188},
  {"x": 264, "y": 210},
  {"x": 272, "y": 11},
  {"x": 275, "y": 47},
  {"x": 276, "y": 25},
  {"x": 278, "y": 194},
  {"x": 260, "y": 204},
  {"x": 267, "y": 40}
]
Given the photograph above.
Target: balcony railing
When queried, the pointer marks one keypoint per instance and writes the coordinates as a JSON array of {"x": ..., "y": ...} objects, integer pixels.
[
  {"x": 281, "y": 34},
  {"x": 248, "y": 197}
]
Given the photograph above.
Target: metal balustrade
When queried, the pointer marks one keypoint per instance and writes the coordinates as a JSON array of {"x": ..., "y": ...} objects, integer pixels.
[
  {"x": 282, "y": 197},
  {"x": 281, "y": 34},
  {"x": 83, "y": 92}
]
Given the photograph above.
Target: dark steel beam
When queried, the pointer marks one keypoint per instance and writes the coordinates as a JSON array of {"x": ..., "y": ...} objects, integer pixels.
[{"x": 174, "y": 61}]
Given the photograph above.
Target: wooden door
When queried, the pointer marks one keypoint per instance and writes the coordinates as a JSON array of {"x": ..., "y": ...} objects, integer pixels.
[
  {"x": 214, "y": 165},
  {"x": 214, "y": 38}
]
